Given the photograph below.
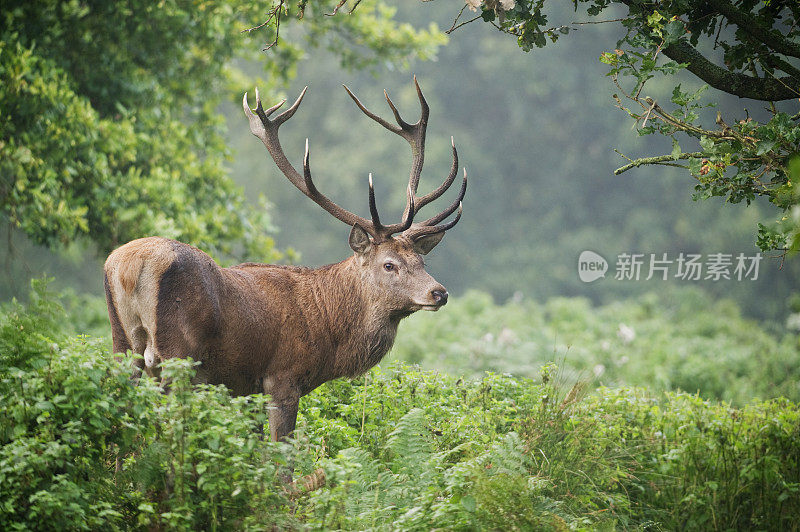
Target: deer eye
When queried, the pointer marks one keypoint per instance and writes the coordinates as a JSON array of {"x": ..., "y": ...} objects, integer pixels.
[{"x": 389, "y": 267}]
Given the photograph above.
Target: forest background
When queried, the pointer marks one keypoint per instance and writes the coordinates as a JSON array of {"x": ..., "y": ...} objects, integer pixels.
[{"x": 537, "y": 131}]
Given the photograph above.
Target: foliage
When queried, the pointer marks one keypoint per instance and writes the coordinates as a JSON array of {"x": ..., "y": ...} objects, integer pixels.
[
  {"x": 707, "y": 459},
  {"x": 674, "y": 341},
  {"x": 83, "y": 447},
  {"x": 365, "y": 40},
  {"x": 737, "y": 159},
  {"x": 110, "y": 130},
  {"x": 526, "y": 455}
]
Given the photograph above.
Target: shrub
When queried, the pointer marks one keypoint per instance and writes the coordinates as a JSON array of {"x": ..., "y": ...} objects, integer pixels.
[
  {"x": 706, "y": 465},
  {"x": 614, "y": 458},
  {"x": 83, "y": 447}
]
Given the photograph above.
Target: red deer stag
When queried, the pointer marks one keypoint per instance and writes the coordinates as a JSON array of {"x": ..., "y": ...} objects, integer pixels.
[{"x": 283, "y": 330}]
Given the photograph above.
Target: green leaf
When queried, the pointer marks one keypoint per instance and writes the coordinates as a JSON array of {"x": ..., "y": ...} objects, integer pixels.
[
  {"x": 44, "y": 405},
  {"x": 764, "y": 146},
  {"x": 654, "y": 18},
  {"x": 676, "y": 149},
  {"x": 706, "y": 143},
  {"x": 609, "y": 58},
  {"x": 673, "y": 31},
  {"x": 468, "y": 502}
]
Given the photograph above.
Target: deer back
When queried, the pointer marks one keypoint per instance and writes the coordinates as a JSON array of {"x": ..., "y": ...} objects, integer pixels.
[{"x": 299, "y": 325}]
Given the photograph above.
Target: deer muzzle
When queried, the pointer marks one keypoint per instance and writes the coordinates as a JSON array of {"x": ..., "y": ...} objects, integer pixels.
[{"x": 440, "y": 297}]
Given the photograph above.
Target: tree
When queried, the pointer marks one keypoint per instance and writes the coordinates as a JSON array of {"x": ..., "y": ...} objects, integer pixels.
[
  {"x": 109, "y": 126},
  {"x": 758, "y": 43}
]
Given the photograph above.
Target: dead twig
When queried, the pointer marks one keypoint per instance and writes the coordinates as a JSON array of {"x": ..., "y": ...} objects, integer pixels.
[
  {"x": 339, "y": 6},
  {"x": 336, "y": 9},
  {"x": 455, "y": 21},
  {"x": 454, "y": 28}
]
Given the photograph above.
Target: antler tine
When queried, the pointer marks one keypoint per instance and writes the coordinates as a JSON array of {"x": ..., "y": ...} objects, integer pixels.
[
  {"x": 453, "y": 206},
  {"x": 449, "y": 225},
  {"x": 281, "y": 118},
  {"x": 435, "y": 194},
  {"x": 256, "y": 127},
  {"x": 415, "y": 136},
  {"x": 268, "y": 112},
  {"x": 378, "y": 119},
  {"x": 419, "y": 231},
  {"x": 287, "y": 114},
  {"x": 405, "y": 126},
  {"x": 266, "y": 129},
  {"x": 373, "y": 209},
  {"x": 260, "y": 124},
  {"x": 310, "y": 186},
  {"x": 423, "y": 104},
  {"x": 418, "y": 140},
  {"x": 408, "y": 216}
]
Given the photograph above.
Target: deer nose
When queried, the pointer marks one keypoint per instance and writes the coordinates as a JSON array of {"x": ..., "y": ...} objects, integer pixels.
[{"x": 440, "y": 296}]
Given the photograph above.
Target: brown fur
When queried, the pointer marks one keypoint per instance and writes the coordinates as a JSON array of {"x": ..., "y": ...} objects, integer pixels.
[
  {"x": 129, "y": 271},
  {"x": 260, "y": 327},
  {"x": 128, "y": 260}
]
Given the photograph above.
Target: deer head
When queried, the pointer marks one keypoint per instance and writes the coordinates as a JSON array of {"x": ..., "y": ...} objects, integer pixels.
[{"x": 388, "y": 256}]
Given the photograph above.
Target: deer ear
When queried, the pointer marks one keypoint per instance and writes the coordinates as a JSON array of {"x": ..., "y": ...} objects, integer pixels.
[
  {"x": 425, "y": 243},
  {"x": 359, "y": 239}
]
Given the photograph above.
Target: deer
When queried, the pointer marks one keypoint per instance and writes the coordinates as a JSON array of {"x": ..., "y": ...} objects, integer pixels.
[{"x": 277, "y": 329}]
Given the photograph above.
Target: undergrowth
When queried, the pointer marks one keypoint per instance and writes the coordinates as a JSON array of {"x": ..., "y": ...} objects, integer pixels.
[{"x": 83, "y": 447}]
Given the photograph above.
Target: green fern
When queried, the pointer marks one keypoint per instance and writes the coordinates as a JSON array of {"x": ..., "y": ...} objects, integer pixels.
[
  {"x": 376, "y": 494},
  {"x": 407, "y": 444}
]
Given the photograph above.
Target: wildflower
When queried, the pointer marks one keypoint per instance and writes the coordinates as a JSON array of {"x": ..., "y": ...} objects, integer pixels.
[{"x": 625, "y": 333}]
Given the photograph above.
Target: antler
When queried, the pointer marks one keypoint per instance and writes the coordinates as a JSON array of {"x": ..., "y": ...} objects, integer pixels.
[
  {"x": 267, "y": 130},
  {"x": 415, "y": 135}
]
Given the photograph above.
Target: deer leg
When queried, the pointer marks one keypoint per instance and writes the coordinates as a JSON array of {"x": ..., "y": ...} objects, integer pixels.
[
  {"x": 282, "y": 420},
  {"x": 283, "y": 417},
  {"x": 139, "y": 341},
  {"x": 118, "y": 336},
  {"x": 138, "y": 368},
  {"x": 285, "y": 400},
  {"x": 283, "y": 406}
]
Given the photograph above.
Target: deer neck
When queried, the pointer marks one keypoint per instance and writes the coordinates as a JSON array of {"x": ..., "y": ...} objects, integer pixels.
[{"x": 361, "y": 331}]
